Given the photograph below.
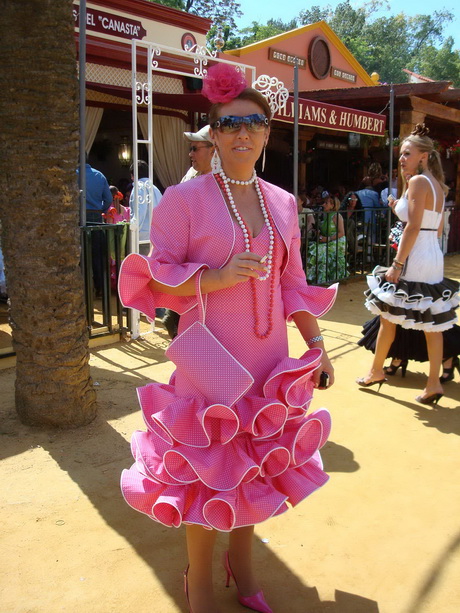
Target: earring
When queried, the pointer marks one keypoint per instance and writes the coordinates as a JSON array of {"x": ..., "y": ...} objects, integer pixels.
[
  {"x": 216, "y": 165},
  {"x": 420, "y": 168},
  {"x": 263, "y": 158}
]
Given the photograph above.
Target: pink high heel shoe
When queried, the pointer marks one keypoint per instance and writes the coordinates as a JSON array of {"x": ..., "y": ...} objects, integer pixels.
[{"x": 256, "y": 602}]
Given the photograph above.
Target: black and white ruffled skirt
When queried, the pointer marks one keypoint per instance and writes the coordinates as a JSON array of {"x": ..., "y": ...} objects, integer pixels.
[
  {"x": 410, "y": 344},
  {"x": 414, "y": 305}
]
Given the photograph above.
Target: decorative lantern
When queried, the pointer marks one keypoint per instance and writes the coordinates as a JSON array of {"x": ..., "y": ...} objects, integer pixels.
[{"x": 125, "y": 152}]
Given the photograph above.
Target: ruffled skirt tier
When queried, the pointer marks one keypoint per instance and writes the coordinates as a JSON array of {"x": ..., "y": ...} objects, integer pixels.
[
  {"x": 414, "y": 305},
  {"x": 410, "y": 344},
  {"x": 225, "y": 467}
]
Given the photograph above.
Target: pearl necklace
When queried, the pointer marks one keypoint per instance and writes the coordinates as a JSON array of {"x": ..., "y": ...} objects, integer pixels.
[
  {"x": 237, "y": 181},
  {"x": 223, "y": 181},
  {"x": 240, "y": 220}
]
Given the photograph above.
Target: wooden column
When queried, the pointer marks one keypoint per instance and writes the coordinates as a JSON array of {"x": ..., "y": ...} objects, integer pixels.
[
  {"x": 408, "y": 121},
  {"x": 305, "y": 136}
]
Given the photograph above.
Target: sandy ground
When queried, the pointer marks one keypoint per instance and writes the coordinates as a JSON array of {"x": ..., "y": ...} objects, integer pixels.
[{"x": 382, "y": 536}]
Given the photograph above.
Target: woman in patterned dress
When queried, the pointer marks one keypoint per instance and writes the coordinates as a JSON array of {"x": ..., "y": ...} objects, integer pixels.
[
  {"x": 327, "y": 256},
  {"x": 413, "y": 292}
]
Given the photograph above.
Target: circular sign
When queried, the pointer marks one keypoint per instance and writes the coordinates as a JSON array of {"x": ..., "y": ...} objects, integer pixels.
[
  {"x": 188, "y": 41},
  {"x": 319, "y": 57}
]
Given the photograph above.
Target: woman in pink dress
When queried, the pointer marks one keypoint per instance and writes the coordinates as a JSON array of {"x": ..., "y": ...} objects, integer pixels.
[
  {"x": 224, "y": 465},
  {"x": 116, "y": 212}
]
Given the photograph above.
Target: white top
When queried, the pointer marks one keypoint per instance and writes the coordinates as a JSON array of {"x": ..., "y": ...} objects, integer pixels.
[
  {"x": 425, "y": 262},
  {"x": 148, "y": 198},
  {"x": 431, "y": 218}
]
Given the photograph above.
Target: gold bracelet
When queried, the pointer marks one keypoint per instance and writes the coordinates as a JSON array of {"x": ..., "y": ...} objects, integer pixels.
[{"x": 398, "y": 262}]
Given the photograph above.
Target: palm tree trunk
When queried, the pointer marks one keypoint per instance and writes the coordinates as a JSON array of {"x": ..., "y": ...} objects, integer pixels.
[{"x": 39, "y": 211}]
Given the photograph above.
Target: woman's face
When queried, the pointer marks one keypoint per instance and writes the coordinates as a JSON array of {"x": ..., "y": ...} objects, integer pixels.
[
  {"x": 352, "y": 201},
  {"x": 410, "y": 158},
  {"x": 240, "y": 149},
  {"x": 328, "y": 204}
]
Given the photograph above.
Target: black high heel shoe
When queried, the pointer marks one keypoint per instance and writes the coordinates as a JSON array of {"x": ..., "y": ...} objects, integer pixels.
[
  {"x": 448, "y": 373},
  {"x": 433, "y": 399},
  {"x": 392, "y": 369},
  {"x": 378, "y": 382}
]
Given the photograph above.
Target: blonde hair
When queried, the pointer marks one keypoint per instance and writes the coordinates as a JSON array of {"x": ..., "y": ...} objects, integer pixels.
[
  {"x": 420, "y": 139},
  {"x": 336, "y": 202}
]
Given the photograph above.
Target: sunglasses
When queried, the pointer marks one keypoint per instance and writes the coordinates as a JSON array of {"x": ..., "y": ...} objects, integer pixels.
[
  {"x": 232, "y": 123},
  {"x": 195, "y": 148}
]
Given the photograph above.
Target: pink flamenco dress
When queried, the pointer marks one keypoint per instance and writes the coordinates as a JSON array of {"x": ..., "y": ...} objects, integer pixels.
[
  {"x": 240, "y": 459},
  {"x": 112, "y": 217}
]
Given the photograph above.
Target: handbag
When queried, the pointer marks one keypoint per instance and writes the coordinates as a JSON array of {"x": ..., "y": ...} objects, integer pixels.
[{"x": 204, "y": 365}]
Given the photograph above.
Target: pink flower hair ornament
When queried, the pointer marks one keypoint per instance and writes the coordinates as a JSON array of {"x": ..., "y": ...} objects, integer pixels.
[{"x": 223, "y": 83}]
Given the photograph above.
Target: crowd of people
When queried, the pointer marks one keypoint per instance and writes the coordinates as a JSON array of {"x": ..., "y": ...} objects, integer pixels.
[
  {"x": 363, "y": 214},
  {"x": 335, "y": 220}
]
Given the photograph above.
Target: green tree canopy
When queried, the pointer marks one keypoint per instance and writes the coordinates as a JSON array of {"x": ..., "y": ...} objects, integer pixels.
[
  {"x": 439, "y": 64},
  {"x": 385, "y": 45},
  {"x": 220, "y": 11},
  {"x": 398, "y": 41},
  {"x": 253, "y": 33}
]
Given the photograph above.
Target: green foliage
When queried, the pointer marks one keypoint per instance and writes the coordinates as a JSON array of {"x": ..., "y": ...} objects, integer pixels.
[
  {"x": 398, "y": 41},
  {"x": 439, "y": 64},
  {"x": 385, "y": 45},
  {"x": 175, "y": 4},
  {"x": 256, "y": 32},
  {"x": 220, "y": 11},
  {"x": 314, "y": 14}
]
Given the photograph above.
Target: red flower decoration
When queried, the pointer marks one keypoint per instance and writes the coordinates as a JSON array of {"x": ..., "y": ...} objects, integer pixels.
[{"x": 223, "y": 83}]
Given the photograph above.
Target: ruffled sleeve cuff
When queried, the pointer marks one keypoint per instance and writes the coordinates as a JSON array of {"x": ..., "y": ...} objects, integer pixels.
[
  {"x": 315, "y": 300},
  {"x": 133, "y": 285}
]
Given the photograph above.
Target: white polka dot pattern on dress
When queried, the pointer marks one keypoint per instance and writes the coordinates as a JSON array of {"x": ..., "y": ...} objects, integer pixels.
[{"x": 226, "y": 465}]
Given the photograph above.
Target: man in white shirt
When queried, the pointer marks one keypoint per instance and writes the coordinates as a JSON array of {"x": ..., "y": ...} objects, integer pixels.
[
  {"x": 148, "y": 197},
  {"x": 201, "y": 152},
  {"x": 392, "y": 189}
]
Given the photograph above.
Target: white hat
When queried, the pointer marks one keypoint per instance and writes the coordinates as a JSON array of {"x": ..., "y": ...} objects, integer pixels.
[{"x": 202, "y": 135}]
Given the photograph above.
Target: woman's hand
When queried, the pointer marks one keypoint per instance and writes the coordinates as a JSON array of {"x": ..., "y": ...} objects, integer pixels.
[
  {"x": 392, "y": 275},
  {"x": 242, "y": 267},
  {"x": 392, "y": 202},
  {"x": 326, "y": 367}
]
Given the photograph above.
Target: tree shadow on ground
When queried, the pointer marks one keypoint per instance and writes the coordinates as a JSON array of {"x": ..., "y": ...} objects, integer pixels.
[
  {"x": 163, "y": 549},
  {"x": 94, "y": 457},
  {"x": 434, "y": 576}
]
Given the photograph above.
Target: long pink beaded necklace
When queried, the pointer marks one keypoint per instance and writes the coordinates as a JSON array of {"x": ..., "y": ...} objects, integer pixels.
[{"x": 223, "y": 182}]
